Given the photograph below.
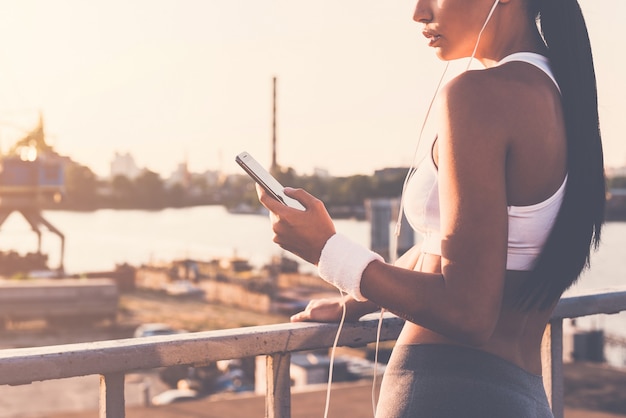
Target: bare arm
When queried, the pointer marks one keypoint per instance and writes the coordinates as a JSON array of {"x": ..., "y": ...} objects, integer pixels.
[
  {"x": 331, "y": 309},
  {"x": 463, "y": 301}
]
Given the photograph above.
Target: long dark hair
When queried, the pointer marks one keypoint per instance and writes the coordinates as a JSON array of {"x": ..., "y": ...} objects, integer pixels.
[{"x": 578, "y": 224}]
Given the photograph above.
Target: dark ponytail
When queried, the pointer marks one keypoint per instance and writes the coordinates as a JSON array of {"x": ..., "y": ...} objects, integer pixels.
[{"x": 577, "y": 227}]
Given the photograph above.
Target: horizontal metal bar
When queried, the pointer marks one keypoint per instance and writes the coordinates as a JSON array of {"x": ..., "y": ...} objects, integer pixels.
[
  {"x": 592, "y": 302},
  {"x": 26, "y": 365}
]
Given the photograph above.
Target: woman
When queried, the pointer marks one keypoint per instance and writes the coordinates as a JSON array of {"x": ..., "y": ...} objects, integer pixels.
[{"x": 510, "y": 203}]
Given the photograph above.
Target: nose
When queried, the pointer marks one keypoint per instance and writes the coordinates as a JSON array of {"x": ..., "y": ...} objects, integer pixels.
[{"x": 422, "y": 12}]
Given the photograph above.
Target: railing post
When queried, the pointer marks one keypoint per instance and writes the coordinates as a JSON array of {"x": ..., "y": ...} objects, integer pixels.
[
  {"x": 278, "y": 399},
  {"x": 552, "y": 364},
  {"x": 112, "y": 396}
]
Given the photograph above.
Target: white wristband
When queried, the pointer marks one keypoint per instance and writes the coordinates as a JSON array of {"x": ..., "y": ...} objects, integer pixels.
[{"x": 342, "y": 263}]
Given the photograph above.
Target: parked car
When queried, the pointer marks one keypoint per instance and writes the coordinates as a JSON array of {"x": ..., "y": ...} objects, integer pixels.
[
  {"x": 152, "y": 329},
  {"x": 183, "y": 288},
  {"x": 174, "y": 396}
]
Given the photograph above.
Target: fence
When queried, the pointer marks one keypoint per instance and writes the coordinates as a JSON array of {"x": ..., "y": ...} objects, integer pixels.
[{"x": 113, "y": 359}]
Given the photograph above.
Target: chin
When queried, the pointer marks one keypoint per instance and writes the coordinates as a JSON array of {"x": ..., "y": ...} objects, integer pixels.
[
  {"x": 449, "y": 56},
  {"x": 444, "y": 56}
]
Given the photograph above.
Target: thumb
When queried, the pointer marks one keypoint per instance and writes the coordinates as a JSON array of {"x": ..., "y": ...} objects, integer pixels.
[{"x": 300, "y": 195}]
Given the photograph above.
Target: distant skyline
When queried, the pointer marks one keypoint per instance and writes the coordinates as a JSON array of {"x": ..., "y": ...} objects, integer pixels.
[{"x": 169, "y": 81}]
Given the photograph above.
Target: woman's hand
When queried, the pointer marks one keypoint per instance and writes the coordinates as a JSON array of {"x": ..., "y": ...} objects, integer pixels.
[
  {"x": 409, "y": 259},
  {"x": 303, "y": 233},
  {"x": 331, "y": 310}
]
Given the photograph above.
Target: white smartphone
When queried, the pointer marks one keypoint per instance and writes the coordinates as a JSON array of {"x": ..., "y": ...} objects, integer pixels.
[{"x": 266, "y": 180}]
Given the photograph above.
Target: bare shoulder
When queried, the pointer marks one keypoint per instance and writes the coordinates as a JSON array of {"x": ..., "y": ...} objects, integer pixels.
[
  {"x": 479, "y": 91},
  {"x": 506, "y": 98},
  {"x": 475, "y": 104}
]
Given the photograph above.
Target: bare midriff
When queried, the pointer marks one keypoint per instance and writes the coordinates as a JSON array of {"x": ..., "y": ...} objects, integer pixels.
[{"x": 517, "y": 336}]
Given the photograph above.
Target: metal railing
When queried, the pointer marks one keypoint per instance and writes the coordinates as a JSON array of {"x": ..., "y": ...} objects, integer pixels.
[{"x": 113, "y": 359}]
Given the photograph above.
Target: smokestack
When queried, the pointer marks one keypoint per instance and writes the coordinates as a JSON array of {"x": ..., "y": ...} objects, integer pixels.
[{"x": 274, "y": 167}]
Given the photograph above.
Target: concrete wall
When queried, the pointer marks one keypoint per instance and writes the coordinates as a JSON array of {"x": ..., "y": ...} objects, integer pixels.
[
  {"x": 235, "y": 295},
  {"x": 230, "y": 294}
]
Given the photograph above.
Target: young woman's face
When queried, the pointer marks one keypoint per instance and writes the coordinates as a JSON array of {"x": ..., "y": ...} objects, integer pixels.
[{"x": 452, "y": 26}]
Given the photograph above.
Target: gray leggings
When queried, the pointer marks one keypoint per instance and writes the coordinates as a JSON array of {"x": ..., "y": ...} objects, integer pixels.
[{"x": 447, "y": 381}]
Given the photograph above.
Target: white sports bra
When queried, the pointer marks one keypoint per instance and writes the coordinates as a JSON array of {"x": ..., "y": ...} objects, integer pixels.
[{"x": 529, "y": 226}]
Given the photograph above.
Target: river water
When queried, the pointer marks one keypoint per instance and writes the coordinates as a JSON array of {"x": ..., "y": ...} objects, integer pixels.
[{"x": 97, "y": 241}]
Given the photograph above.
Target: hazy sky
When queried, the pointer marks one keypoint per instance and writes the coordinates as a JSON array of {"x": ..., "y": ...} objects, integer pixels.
[{"x": 172, "y": 79}]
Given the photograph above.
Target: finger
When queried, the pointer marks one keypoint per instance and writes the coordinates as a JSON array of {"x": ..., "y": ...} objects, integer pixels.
[
  {"x": 300, "y": 317},
  {"x": 301, "y": 196},
  {"x": 266, "y": 200}
]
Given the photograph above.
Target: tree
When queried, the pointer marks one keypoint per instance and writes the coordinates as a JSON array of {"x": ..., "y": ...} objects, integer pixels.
[
  {"x": 81, "y": 187},
  {"x": 150, "y": 191},
  {"x": 350, "y": 190},
  {"x": 123, "y": 191},
  {"x": 176, "y": 196},
  {"x": 617, "y": 183}
]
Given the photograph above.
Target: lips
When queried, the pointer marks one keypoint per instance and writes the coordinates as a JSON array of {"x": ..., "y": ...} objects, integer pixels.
[{"x": 431, "y": 36}]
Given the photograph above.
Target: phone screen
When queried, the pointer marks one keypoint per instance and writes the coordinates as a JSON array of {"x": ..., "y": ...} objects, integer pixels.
[{"x": 266, "y": 180}]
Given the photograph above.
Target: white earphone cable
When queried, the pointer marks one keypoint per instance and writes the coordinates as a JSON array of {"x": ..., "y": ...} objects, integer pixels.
[
  {"x": 412, "y": 168},
  {"x": 380, "y": 324},
  {"x": 415, "y": 164},
  {"x": 493, "y": 9},
  {"x": 332, "y": 353}
]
